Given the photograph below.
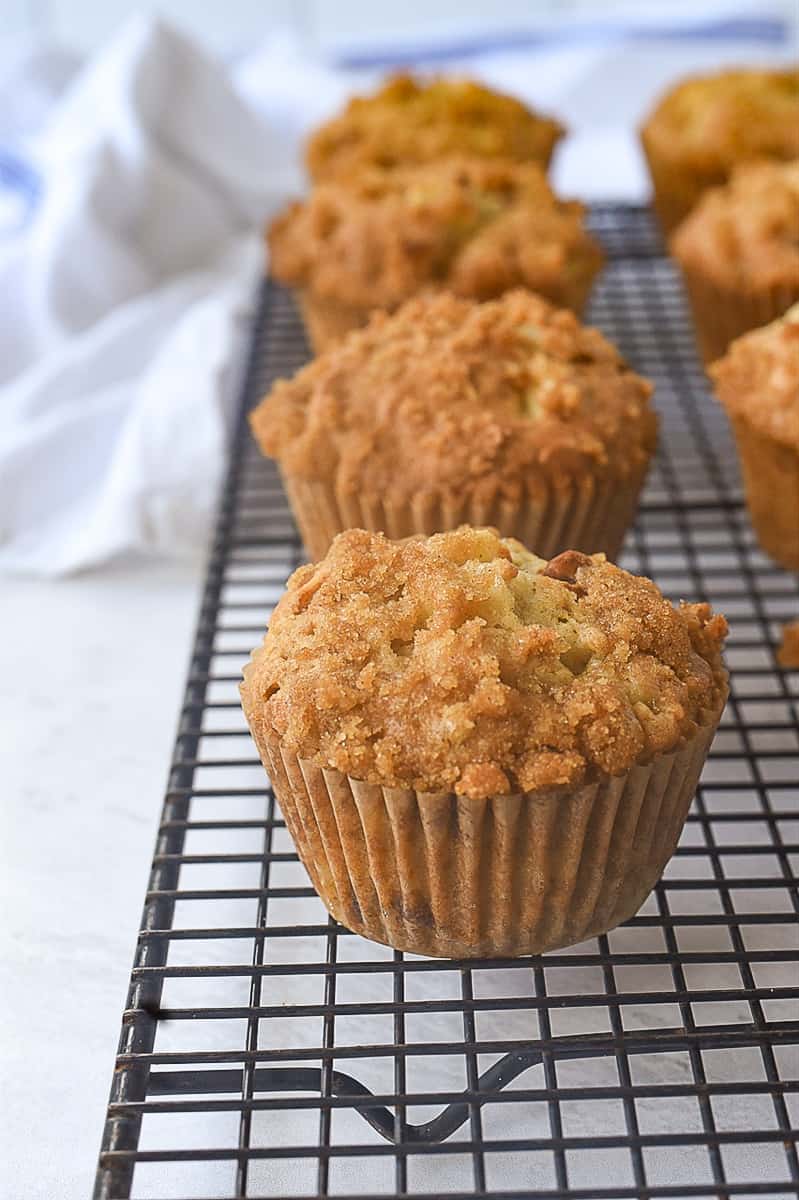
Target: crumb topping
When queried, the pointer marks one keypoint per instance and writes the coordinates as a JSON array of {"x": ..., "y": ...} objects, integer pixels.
[
  {"x": 717, "y": 121},
  {"x": 746, "y": 233},
  {"x": 758, "y": 378},
  {"x": 463, "y": 662},
  {"x": 408, "y": 120},
  {"x": 449, "y": 395},
  {"x": 474, "y": 227}
]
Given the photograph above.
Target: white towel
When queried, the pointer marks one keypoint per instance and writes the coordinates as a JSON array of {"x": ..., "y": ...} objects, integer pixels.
[{"x": 119, "y": 305}]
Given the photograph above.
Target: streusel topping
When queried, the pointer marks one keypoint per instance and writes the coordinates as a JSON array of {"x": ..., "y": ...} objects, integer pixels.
[
  {"x": 449, "y": 395},
  {"x": 463, "y": 662},
  {"x": 758, "y": 378},
  {"x": 746, "y": 233},
  {"x": 409, "y": 121},
  {"x": 474, "y": 227},
  {"x": 717, "y": 121}
]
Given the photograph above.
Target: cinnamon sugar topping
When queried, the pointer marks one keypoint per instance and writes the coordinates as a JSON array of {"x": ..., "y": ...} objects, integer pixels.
[
  {"x": 408, "y": 120},
  {"x": 746, "y": 234},
  {"x": 474, "y": 227},
  {"x": 758, "y": 378},
  {"x": 461, "y": 662},
  {"x": 717, "y": 121},
  {"x": 448, "y": 395}
]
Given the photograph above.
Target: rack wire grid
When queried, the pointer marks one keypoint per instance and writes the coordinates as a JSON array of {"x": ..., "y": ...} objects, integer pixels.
[{"x": 268, "y": 1052}]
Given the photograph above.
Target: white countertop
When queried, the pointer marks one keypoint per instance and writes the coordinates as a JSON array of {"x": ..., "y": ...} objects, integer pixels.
[{"x": 90, "y": 684}]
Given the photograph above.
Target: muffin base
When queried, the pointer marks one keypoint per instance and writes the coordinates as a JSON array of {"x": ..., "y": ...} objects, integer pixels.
[
  {"x": 675, "y": 190},
  {"x": 326, "y": 321},
  {"x": 771, "y": 480},
  {"x": 442, "y": 875},
  {"x": 722, "y": 314},
  {"x": 589, "y": 514}
]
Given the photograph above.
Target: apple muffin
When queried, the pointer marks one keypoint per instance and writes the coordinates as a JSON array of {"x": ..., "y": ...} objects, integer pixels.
[
  {"x": 757, "y": 381},
  {"x": 478, "y": 751},
  {"x": 709, "y": 124},
  {"x": 508, "y": 412},
  {"x": 739, "y": 253},
  {"x": 475, "y": 228},
  {"x": 415, "y": 121}
]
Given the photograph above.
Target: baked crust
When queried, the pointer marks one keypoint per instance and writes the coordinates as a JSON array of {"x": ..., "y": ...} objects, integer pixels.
[
  {"x": 450, "y": 396},
  {"x": 408, "y": 120},
  {"x": 461, "y": 662},
  {"x": 476, "y": 228},
  {"x": 711, "y": 123},
  {"x": 758, "y": 379},
  {"x": 746, "y": 234}
]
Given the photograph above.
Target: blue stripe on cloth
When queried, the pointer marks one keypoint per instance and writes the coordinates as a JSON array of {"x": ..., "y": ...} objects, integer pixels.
[
  {"x": 20, "y": 179},
  {"x": 767, "y": 30}
]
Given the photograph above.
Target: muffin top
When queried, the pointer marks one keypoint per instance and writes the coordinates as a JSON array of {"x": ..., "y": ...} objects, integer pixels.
[
  {"x": 451, "y": 396},
  {"x": 475, "y": 227},
  {"x": 411, "y": 121},
  {"x": 746, "y": 233},
  {"x": 758, "y": 378},
  {"x": 461, "y": 662},
  {"x": 712, "y": 122}
]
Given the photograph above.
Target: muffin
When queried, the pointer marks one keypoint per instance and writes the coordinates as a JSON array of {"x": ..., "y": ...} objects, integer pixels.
[
  {"x": 411, "y": 121},
  {"x": 507, "y": 413},
  {"x": 739, "y": 253},
  {"x": 472, "y": 227},
  {"x": 476, "y": 751},
  {"x": 706, "y": 125},
  {"x": 758, "y": 383}
]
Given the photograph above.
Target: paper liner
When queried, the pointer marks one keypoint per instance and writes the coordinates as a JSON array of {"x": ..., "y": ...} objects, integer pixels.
[
  {"x": 442, "y": 875},
  {"x": 326, "y": 321},
  {"x": 722, "y": 314},
  {"x": 675, "y": 190},
  {"x": 590, "y": 514},
  {"x": 771, "y": 479}
]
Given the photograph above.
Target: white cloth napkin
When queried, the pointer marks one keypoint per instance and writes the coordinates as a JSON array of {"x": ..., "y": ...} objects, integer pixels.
[
  {"x": 120, "y": 302},
  {"x": 119, "y": 305}
]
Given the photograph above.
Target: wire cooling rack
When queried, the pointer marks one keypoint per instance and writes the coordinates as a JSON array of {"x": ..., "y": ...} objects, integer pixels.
[{"x": 267, "y": 1052}]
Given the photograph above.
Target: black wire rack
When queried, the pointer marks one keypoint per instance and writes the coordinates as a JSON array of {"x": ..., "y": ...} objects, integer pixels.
[{"x": 268, "y": 1052}]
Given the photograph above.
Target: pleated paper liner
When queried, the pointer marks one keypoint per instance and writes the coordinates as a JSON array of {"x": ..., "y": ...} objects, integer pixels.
[
  {"x": 442, "y": 875},
  {"x": 722, "y": 314},
  {"x": 327, "y": 321},
  {"x": 591, "y": 514},
  {"x": 675, "y": 190},
  {"x": 771, "y": 479}
]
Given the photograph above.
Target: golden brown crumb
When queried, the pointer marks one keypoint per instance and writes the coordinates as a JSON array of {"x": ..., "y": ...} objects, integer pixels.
[
  {"x": 409, "y": 121},
  {"x": 462, "y": 662},
  {"x": 447, "y": 395},
  {"x": 746, "y": 234},
  {"x": 714, "y": 122},
  {"x": 758, "y": 379},
  {"x": 475, "y": 228},
  {"x": 788, "y": 652}
]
